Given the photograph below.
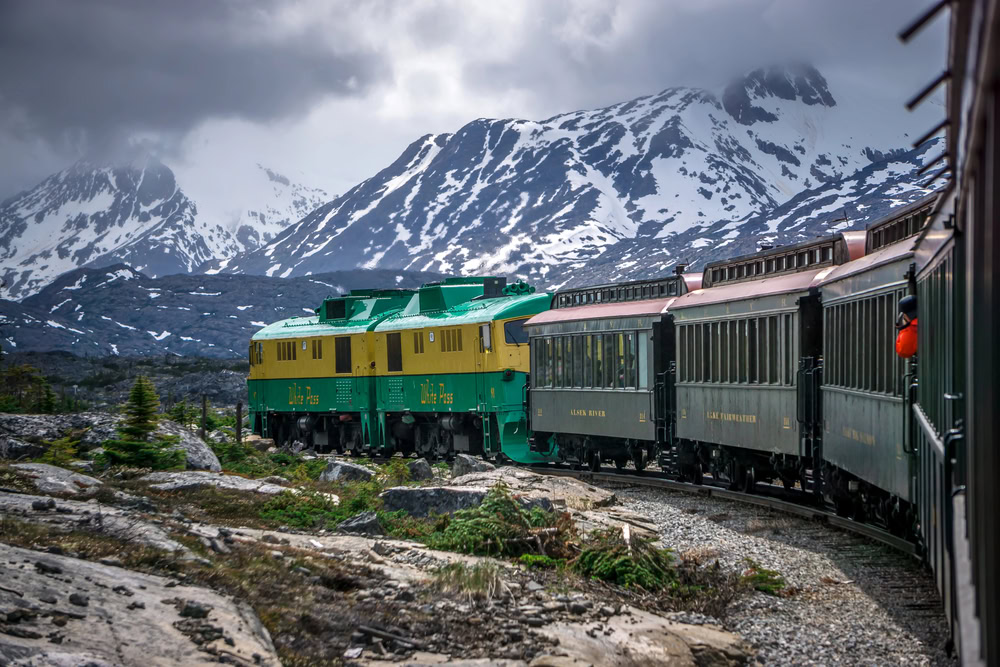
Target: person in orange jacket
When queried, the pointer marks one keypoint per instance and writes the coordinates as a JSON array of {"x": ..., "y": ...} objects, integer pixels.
[{"x": 906, "y": 339}]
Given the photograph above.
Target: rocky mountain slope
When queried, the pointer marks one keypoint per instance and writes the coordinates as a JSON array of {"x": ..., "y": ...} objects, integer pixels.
[
  {"x": 98, "y": 215},
  {"x": 851, "y": 202},
  {"x": 678, "y": 171},
  {"x": 120, "y": 311}
]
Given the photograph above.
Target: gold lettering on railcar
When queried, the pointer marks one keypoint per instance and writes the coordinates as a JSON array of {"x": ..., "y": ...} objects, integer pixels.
[
  {"x": 431, "y": 395},
  {"x": 297, "y": 397},
  {"x": 786, "y": 422},
  {"x": 642, "y": 417},
  {"x": 586, "y": 412},
  {"x": 715, "y": 415},
  {"x": 858, "y": 436}
]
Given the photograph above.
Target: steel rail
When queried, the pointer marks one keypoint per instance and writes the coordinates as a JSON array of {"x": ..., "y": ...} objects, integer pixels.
[{"x": 787, "y": 507}]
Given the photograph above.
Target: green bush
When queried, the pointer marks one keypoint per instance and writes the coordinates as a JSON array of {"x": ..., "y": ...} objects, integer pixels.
[
  {"x": 501, "y": 526},
  {"x": 61, "y": 451},
  {"x": 541, "y": 562},
  {"x": 401, "y": 525},
  {"x": 763, "y": 579},
  {"x": 635, "y": 563}
]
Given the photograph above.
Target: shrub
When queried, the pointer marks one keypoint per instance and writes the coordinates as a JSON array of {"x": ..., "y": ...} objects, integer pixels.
[
  {"x": 61, "y": 452},
  {"x": 501, "y": 526},
  {"x": 631, "y": 563},
  {"x": 541, "y": 562},
  {"x": 762, "y": 579},
  {"x": 480, "y": 581}
]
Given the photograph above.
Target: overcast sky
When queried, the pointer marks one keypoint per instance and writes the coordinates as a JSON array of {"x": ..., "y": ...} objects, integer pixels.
[{"x": 331, "y": 91}]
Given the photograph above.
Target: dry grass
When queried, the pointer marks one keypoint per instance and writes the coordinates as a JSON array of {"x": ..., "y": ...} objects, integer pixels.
[{"x": 482, "y": 581}]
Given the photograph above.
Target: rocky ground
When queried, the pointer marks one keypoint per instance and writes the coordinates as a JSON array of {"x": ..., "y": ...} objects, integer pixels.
[
  {"x": 326, "y": 561},
  {"x": 87, "y": 579},
  {"x": 849, "y": 601}
]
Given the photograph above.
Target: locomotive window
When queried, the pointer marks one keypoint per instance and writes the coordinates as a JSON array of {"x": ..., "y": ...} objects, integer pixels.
[
  {"x": 514, "y": 333},
  {"x": 394, "y": 353},
  {"x": 342, "y": 354}
]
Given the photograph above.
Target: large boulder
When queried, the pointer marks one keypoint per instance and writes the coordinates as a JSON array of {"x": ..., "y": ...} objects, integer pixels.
[
  {"x": 420, "y": 470},
  {"x": 198, "y": 455},
  {"x": 566, "y": 491},
  {"x": 15, "y": 448},
  {"x": 56, "y": 480},
  {"x": 365, "y": 523},
  {"x": 196, "y": 479},
  {"x": 465, "y": 464},
  {"x": 342, "y": 471},
  {"x": 23, "y": 436},
  {"x": 92, "y": 428},
  {"x": 427, "y": 500},
  {"x": 112, "y": 616}
]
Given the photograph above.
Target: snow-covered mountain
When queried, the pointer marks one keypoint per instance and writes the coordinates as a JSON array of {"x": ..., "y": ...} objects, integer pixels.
[
  {"x": 545, "y": 199},
  {"x": 97, "y": 215}
]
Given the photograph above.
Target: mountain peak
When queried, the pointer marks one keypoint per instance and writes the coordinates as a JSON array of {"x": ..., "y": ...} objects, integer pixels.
[{"x": 746, "y": 98}]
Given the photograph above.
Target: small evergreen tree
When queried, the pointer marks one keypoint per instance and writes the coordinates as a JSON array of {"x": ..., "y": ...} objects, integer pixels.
[
  {"x": 135, "y": 446},
  {"x": 183, "y": 414},
  {"x": 47, "y": 402}
]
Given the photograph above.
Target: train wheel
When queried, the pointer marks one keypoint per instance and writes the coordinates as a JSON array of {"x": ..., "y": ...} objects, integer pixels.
[
  {"x": 620, "y": 462},
  {"x": 749, "y": 479},
  {"x": 639, "y": 458}
]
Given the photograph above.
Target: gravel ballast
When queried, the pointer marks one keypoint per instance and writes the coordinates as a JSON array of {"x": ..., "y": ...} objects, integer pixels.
[{"x": 852, "y": 601}]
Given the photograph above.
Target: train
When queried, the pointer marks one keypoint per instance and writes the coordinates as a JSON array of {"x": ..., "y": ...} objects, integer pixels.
[{"x": 773, "y": 367}]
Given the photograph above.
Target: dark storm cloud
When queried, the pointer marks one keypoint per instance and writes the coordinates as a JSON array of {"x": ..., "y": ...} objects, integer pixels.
[
  {"x": 90, "y": 73},
  {"x": 616, "y": 51}
]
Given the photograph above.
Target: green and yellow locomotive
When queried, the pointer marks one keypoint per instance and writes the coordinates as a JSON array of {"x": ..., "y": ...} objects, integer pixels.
[
  {"x": 433, "y": 371},
  {"x": 312, "y": 379}
]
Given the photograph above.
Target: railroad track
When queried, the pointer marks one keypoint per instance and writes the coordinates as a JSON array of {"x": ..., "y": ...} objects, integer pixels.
[{"x": 778, "y": 504}]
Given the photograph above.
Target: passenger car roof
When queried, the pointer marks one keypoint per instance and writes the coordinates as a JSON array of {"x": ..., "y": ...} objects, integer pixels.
[
  {"x": 783, "y": 284},
  {"x": 600, "y": 311}
]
